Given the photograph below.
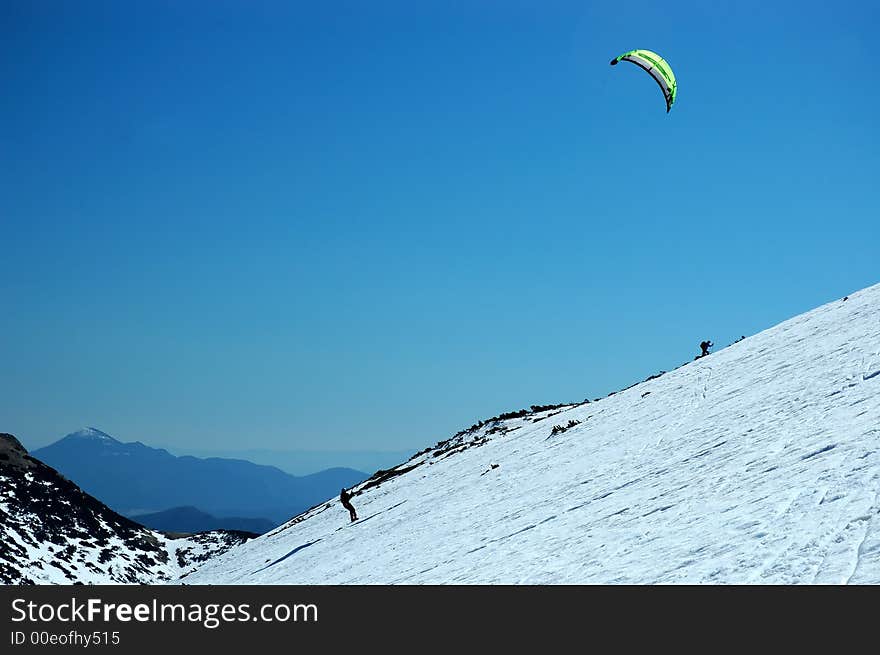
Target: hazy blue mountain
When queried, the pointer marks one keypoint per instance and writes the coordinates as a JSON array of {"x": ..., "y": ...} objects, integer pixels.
[
  {"x": 305, "y": 462},
  {"x": 133, "y": 478},
  {"x": 191, "y": 519}
]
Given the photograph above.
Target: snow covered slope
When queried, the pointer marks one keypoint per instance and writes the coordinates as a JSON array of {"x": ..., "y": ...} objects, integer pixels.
[
  {"x": 759, "y": 463},
  {"x": 51, "y": 532}
]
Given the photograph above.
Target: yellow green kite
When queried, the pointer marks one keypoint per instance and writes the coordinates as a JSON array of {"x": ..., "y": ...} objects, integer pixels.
[{"x": 657, "y": 67}]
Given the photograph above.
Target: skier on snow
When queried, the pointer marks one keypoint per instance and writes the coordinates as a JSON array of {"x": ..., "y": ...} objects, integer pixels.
[
  {"x": 345, "y": 498},
  {"x": 704, "y": 346}
]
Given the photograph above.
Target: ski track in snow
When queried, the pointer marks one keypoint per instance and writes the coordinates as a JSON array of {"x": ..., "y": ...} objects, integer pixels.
[{"x": 757, "y": 464}]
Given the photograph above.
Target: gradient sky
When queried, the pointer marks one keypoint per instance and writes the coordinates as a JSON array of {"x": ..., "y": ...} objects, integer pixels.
[{"x": 350, "y": 225}]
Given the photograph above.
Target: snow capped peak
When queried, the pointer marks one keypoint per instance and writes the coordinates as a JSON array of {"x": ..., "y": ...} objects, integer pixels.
[
  {"x": 52, "y": 532},
  {"x": 92, "y": 433}
]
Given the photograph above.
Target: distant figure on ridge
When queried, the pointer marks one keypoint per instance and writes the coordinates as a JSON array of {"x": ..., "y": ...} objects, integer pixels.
[
  {"x": 345, "y": 499},
  {"x": 704, "y": 346}
]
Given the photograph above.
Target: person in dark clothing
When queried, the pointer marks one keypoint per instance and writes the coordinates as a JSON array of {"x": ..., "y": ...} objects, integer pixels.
[
  {"x": 704, "y": 346},
  {"x": 345, "y": 499}
]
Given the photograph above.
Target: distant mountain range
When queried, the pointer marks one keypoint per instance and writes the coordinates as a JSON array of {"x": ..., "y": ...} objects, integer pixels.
[
  {"x": 191, "y": 519},
  {"x": 304, "y": 462},
  {"x": 135, "y": 479},
  {"x": 54, "y": 533}
]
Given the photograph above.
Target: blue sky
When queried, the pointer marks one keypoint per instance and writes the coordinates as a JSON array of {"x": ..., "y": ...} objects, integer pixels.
[{"x": 351, "y": 225}]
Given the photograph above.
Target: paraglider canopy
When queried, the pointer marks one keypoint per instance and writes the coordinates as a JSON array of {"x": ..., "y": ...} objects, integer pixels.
[{"x": 658, "y": 68}]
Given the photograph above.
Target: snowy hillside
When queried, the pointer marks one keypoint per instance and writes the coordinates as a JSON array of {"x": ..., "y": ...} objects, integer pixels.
[
  {"x": 54, "y": 533},
  {"x": 759, "y": 463}
]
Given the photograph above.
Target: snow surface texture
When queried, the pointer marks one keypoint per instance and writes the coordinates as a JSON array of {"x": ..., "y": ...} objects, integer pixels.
[
  {"x": 51, "y": 532},
  {"x": 759, "y": 463}
]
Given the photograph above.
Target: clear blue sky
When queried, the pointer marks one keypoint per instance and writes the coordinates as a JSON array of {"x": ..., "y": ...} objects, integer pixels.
[{"x": 368, "y": 225}]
